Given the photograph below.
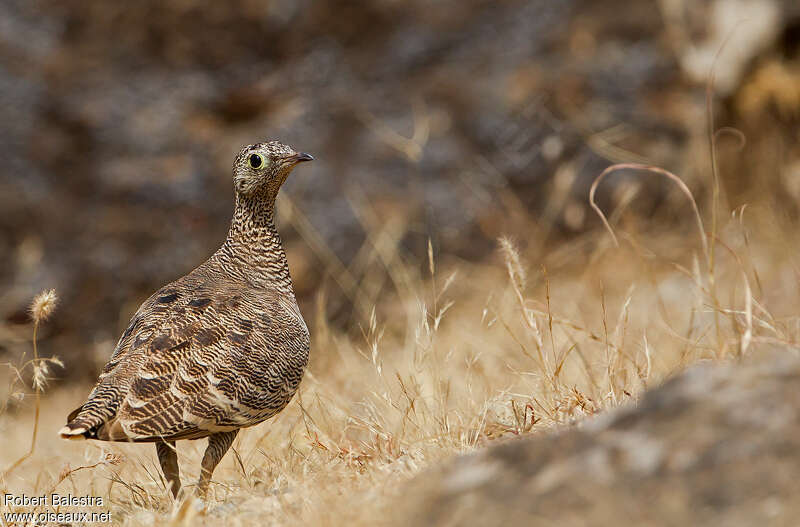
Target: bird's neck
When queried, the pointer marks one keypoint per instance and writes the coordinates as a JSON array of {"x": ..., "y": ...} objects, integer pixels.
[{"x": 254, "y": 246}]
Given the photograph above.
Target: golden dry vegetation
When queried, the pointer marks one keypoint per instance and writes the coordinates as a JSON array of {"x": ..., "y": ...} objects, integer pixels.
[
  {"x": 460, "y": 355},
  {"x": 445, "y": 355}
]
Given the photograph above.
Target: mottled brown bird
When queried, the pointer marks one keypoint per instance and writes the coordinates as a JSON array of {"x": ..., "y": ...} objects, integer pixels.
[{"x": 220, "y": 349}]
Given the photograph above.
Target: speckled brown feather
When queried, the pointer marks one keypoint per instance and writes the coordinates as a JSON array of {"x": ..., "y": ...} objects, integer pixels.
[
  {"x": 221, "y": 348},
  {"x": 201, "y": 356}
]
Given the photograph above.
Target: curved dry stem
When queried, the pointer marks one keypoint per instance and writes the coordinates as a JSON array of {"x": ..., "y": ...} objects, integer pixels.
[
  {"x": 653, "y": 170},
  {"x": 735, "y": 132}
]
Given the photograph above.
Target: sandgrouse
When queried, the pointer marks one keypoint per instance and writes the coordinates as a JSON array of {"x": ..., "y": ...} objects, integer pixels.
[{"x": 220, "y": 349}]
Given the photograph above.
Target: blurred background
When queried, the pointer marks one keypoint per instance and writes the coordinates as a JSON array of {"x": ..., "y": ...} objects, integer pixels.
[{"x": 454, "y": 121}]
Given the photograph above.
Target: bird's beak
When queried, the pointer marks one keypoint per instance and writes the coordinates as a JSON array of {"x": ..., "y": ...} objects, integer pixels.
[{"x": 298, "y": 158}]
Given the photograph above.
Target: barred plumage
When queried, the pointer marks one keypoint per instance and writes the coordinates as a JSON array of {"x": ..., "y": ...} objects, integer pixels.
[{"x": 219, "y": 349}]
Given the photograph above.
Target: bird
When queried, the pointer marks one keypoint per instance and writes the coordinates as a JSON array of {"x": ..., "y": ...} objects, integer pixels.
[{"x": 220, "y": 349}]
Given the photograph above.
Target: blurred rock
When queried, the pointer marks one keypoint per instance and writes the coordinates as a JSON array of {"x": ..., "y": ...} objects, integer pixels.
[
  {"x": 120, "y": 122},
  {"x": 716, "y": 446},
  {"x": 737, "y": 32}
]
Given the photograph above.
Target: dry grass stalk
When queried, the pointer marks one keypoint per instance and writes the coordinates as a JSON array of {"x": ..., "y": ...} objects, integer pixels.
[{"x": 41, "y": 308}]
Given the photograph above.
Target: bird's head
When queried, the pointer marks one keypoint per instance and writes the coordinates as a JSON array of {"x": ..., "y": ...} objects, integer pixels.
[{"x": 261, "y": 169}]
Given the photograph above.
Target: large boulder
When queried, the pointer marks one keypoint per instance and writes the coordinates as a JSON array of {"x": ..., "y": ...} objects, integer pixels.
[{"x": 717, "y": 445}]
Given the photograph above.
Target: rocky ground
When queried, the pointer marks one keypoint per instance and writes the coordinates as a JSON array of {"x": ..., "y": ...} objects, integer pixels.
[{"x": 716, "y": 446}]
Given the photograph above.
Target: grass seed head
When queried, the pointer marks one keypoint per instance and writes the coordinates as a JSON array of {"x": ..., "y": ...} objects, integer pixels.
[{"x": 43, "y": 305}]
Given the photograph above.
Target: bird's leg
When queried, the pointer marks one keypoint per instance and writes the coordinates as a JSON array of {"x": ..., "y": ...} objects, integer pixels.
[
  {"x": 168, "y": 457},
  {"x": 218, "y": 444}
]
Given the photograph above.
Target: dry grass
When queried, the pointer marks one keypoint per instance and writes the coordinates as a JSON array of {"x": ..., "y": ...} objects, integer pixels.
[{"x": 450, "y": 356}]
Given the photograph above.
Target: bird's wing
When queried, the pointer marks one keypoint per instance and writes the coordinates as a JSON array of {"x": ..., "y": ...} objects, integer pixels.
[
  {"x": 220, "y": 358},
  {"x": 156, "y": 313}
]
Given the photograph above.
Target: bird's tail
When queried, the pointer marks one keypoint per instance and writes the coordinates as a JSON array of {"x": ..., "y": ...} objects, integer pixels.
[
  {"x": 75, "y": 431},
  {"x": 89, "y": 419},
  {"x": 75, "y": 428},
  {"x": 80, "y": 425}
]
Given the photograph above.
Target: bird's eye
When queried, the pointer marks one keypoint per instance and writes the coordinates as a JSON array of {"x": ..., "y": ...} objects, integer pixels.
[{"x": 256, "y": 160}]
